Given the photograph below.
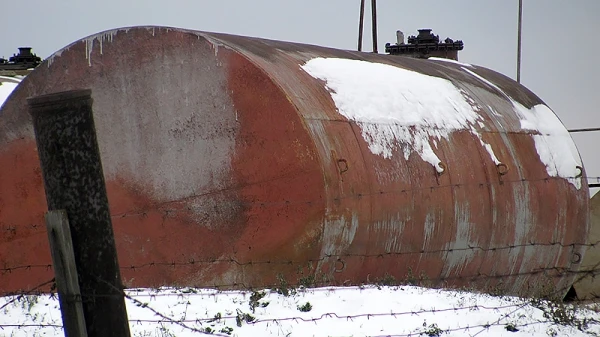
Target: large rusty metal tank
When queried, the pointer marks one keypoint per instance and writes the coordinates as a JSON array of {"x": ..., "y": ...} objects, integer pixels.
[{"x": 233, "y": 161}]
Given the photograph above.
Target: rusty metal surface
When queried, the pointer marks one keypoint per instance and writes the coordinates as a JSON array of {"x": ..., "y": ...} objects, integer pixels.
[
  {"x": 221, "y": 154},
  {"x": 589, "y": 287}
]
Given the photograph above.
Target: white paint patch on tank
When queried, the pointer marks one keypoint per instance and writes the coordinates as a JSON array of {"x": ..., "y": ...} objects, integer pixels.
[
  {"x": 397, "y": 109},
  {"x": 428, "y": 228},
  {"x": 391, "y": 230},
  {"x": 171, "y": 148},
  {"x": 321, "y": 141},
  {"x": 458, "y": 255},
  {"x": 523, "y": 218},
  {"x": 553, "y": 144},
  {"x": 338, "y": 234}
]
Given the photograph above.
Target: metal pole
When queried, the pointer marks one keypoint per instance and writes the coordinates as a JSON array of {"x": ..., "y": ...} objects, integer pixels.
[
  {"x": 519, "y": 41},
  {"x": 65, "y": 135},
  {"x": 361, "y": 21},
  {"x": 584, "y": 130},
  {"x": 374, "y": 22}
]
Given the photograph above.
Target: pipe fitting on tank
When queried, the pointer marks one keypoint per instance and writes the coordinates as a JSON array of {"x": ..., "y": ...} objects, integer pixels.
[
  {"x": 580, "y": 170},
  {"x": 342, "y": 165},
  {"x": 340, "y": 265},
  {"x": 502, "y": 169},
  {"x": 576, "y": 258},
  {"x": 441, "y": 168}
]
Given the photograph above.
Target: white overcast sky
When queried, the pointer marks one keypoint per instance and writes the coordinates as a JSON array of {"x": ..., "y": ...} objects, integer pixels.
[{"x": 560, "y": 37}]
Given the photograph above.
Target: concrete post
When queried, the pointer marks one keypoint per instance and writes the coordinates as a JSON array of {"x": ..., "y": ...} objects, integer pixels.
[{"x": 73, "y": 179}]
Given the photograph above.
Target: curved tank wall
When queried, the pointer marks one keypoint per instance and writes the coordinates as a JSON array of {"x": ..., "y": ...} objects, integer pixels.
[
  {"x": 587, "y": 286},
  {"x": 234, "y": 161}
]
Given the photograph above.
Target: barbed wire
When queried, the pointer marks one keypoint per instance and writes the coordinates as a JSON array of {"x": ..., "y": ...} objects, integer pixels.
[
  {"x": 423, "y": 280},
  {"x": 516, "y": 306},
  {"x": 554, "y": 272},
  {"x": 4, "y": 270},
  {"x": 417, "y": 280},
  {"x": 188, "y": 323},
  {"x": 31, "y": 325},
  {"x": 160, "y": 206},
  {"x": 18, "y": 295},
  {"x": 552, "y": 295},
  {"x": 419, "y": 332},
  {"x": 339, "y": 316},
  {"x": 13, "y": 228},
  {"x": 169, "y": 211},
  {"x": 192, "y": 262},
  {"x": 181, "y": 323},
  {"x": 424, "y": 332}
]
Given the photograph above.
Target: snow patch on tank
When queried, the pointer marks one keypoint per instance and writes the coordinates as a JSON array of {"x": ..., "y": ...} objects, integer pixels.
[
  {"x": 554, "y": 145},
  {"x": 442, "y": 59},
  {"x": 6, "y": 88},
  {"x": 398, "y": 106}
]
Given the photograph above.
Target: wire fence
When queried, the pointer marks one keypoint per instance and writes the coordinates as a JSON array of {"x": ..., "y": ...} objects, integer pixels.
[
  {"x": 554, "y": 313},
  {"x": 168, "y": 207},
  {"x": 324, "y": 257},
  {"x": 165, "y": 318},
  {"x": 308, "y": 275},
  {"x": 201, "y": 325}
]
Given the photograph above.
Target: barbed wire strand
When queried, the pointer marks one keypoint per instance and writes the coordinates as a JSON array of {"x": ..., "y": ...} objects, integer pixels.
[
  {"x": 182, "y": 322},
  {"x": 528, "y": 301},
  {"x": 20, "y": 294},
  {"x": 192, "y": 262},
  {"x": 550, "y": 272},
  {"x": 160, "y": 205}
]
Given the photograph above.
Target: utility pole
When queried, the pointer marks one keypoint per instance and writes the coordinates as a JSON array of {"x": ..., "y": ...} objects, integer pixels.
[
  {"x": 374, "y": 24},
  {"x": 65, "y": 135},
  {"x": 360, "y": 24},
  {"x": 519, "y": 41}
]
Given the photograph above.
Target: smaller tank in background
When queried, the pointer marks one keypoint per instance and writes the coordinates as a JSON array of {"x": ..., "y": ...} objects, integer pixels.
[{"x": 21, "y": 63}]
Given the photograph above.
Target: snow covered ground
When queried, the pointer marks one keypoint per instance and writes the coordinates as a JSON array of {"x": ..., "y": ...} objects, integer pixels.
[{"x": 336, "y": 311}]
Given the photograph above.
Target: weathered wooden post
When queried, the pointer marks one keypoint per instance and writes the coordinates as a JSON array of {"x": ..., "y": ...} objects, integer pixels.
[
  {"x": 73, "y": 179},
  {"x": 65, "y": 273}
]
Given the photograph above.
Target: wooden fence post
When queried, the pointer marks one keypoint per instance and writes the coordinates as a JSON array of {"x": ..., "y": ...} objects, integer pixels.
[{"x": 65, "y": 273}]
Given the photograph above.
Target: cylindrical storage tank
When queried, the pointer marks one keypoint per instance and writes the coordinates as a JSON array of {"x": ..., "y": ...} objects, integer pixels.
[{"x": 235, "y": 162}]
